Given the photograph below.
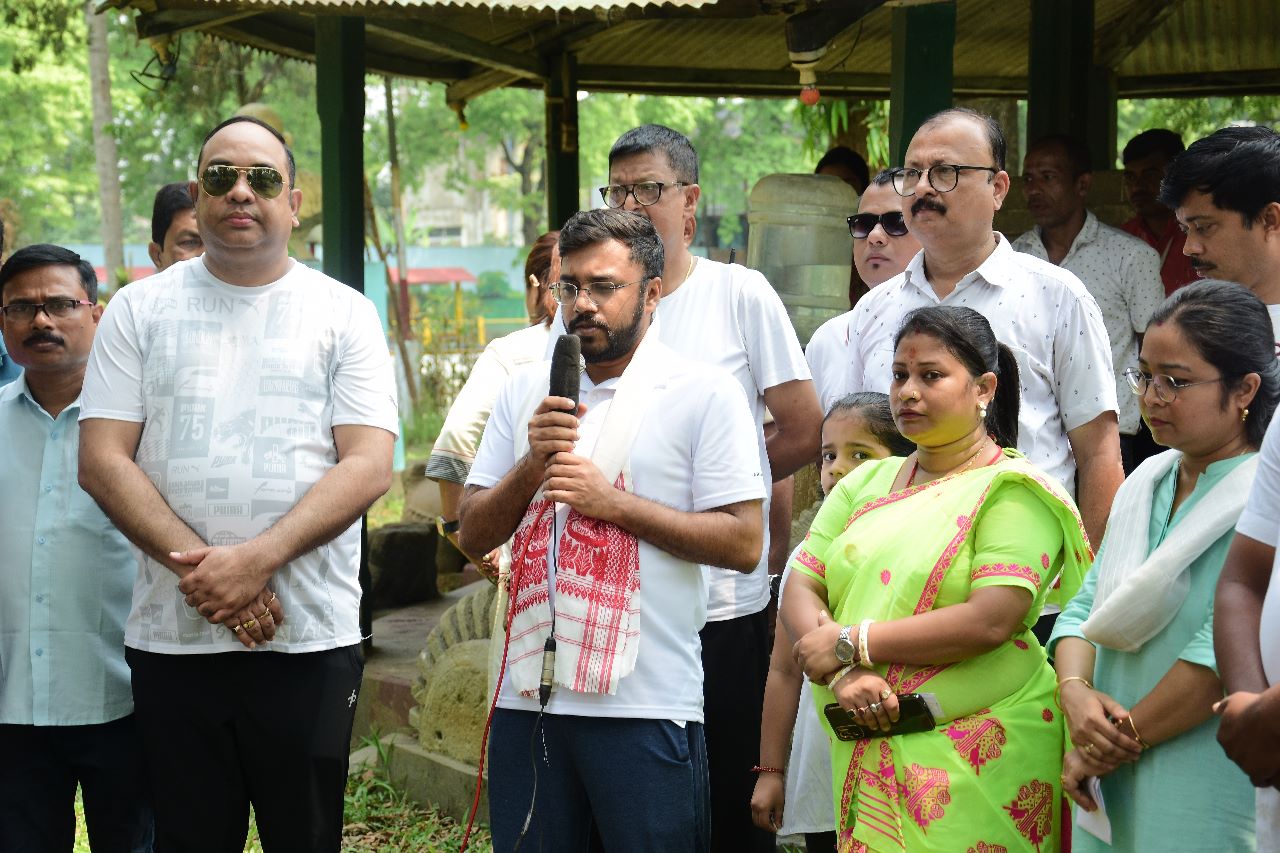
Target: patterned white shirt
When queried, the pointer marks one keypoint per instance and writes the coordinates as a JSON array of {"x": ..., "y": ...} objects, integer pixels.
[
  {"x": 1043, "y": 313},
  {"x": 238, "y": 390},
  {"x": 1123, "y": 274}
]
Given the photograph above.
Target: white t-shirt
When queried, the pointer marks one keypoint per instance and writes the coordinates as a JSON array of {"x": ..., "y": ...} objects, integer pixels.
[
  {"x": 694, "y": 451},
  {"x": 729, "y": 316},
  {"x": 828, "y": 358},
  {"x": 455, "y": 447},
  {"x": 808, "y": 806},
  {"x": 1261, "y": 521},
  {"x": 1123, "y": 274},
  {"x": 238, "y": 389},
  {"x": 1041, "y": 312}
]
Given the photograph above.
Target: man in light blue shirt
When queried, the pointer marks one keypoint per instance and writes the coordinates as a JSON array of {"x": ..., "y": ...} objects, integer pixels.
[{"x": 66, "y": 708}]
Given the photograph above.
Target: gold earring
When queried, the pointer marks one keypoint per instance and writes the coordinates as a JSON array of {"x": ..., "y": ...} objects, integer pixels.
[{"x": 1244, "y": 416}]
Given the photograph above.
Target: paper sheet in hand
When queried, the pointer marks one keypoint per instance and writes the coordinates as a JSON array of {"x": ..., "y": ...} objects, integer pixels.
[{"x": 1096, "y": 822}]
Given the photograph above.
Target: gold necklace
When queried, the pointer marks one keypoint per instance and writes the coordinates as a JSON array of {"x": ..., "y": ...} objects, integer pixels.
[
  {"x": 692, "y": 260},
  {"x": 915, "y": 466}
]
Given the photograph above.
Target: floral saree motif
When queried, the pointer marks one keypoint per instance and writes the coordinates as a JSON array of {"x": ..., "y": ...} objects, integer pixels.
[{"x": 890, "y": 555}]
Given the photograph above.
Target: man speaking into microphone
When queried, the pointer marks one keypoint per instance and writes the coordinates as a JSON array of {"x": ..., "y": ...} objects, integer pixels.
[{"x": 611, "y": 502}]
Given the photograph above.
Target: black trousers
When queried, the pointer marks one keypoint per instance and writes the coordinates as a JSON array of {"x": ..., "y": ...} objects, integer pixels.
[
  {"x": 39, "y": 770},
  {"x": 735, "y": 664},
  {"x": 223, "y": 731}
]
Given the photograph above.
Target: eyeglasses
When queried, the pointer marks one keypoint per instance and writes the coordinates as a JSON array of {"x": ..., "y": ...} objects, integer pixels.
[
  {"x": 645, "y": 193},
  {"x": 1167, "y": 387},
  {"x": 942, "y": 177},
  {"x": 861, "y": 226},
  {"x": 265, "y": 181},
  {"x": 25, "y": 312},
  {"x": 566, "y": 292}
]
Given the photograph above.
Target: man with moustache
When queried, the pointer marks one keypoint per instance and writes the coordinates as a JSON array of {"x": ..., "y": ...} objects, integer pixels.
[
  {"x": 239, "y": 417},
  {"x": 727, "y": 315},
  {"x": 174, "y": 235},
  {"x": 1225, "y": 191},
  {"x": 610, "y": 510},
  {"x": 66, "y": 711},
  {"x": 1120, "y": 271},
  {"x": 1145, "y": 159},
  {"x": 882, "y": 246},
  {"x": 953, "y": 182}
]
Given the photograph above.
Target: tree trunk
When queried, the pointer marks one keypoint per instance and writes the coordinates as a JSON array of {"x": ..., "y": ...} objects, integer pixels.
[
  {"x": 104, "y": 146},
  {"x": 401, "y": 322}
]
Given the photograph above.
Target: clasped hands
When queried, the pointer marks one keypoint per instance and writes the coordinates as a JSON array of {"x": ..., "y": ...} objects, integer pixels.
[
  {"x": 862, "y": 692},
  {"x": 566, "y": 477},
  {"x": 1248, "y": 734},
  {"x": 228, "y": 586},
  {"x": 1104, "y": 736}
]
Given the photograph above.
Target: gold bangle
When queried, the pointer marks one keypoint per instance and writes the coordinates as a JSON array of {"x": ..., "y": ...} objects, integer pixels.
[
  {"x": 1057, "y": 691},
  {"x": 840, "y": 673},
  {"x": 1142, "y": 743}
]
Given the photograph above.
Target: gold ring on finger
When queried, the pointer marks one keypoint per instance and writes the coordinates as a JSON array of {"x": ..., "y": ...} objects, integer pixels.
[
  {"x": 886, "y": 693},
  {"x": 1088, "y": 747},
  {"x": 249, "y": 623},
  {"x": 263, "y": 615},
  {"x": 237, "y": 629},
  {"x": 269, "y": 600}
]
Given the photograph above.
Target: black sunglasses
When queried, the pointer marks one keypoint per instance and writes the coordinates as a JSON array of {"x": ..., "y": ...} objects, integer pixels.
[
  {"x": 861, "y": 225},
  {"x": 265, "y": 181}
]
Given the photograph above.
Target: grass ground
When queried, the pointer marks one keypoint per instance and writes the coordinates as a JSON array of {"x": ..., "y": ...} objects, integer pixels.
[{"x": 377, "y": 819}]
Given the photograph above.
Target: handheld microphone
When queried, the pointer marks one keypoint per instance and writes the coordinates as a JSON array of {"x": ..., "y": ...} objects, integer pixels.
[
  {"x": 548, "y": 670},
  {"x": 566, "y": 369}
]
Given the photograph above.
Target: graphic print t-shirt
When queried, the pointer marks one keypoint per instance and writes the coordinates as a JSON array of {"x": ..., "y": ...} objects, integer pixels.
[{"x": 238, "y": 390}]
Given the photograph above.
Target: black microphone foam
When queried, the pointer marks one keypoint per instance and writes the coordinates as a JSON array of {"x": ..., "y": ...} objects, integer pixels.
[{"x": 566, "y": 368}]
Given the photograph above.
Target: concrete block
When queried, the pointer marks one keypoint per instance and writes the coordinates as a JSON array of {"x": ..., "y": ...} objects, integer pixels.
[{"x": 431, "y": 779}]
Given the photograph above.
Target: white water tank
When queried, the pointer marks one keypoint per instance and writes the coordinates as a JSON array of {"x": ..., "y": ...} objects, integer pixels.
[{"x": 799, "y": 239}]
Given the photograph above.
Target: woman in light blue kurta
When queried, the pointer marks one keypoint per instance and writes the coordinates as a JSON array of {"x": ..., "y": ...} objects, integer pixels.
[{"x": 1134, "y": 648}]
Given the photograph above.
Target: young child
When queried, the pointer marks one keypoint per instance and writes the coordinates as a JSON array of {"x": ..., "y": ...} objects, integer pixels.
[{"x": 858, "y": 427}]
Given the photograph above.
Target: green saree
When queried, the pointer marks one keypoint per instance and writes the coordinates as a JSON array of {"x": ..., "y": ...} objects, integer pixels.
[{"x": 986, "y": 779}]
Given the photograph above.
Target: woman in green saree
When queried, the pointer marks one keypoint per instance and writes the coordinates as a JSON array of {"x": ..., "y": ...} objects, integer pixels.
[{"x": 925, "y": 575}]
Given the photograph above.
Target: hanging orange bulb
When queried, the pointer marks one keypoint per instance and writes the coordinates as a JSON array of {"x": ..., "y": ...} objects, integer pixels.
[{"x": 809, "y": 95}]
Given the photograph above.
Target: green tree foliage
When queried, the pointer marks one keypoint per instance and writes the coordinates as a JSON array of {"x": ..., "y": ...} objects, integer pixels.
[{"x": 1193, "y": 117}]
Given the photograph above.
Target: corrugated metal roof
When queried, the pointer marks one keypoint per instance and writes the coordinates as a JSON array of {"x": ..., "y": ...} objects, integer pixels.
[{"x": 738, "y": 46}]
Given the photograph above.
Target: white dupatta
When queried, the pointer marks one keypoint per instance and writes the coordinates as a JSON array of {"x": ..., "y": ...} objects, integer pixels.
[{"x": 1138, "y": 594}]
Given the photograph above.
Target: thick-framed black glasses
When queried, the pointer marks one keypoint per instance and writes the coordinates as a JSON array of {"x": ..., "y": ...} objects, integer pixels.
[
  {"x": 25, "y": 312},
  {"x": 645, "y": 193},
  {"x": 942, "y": 177},
  {"x": 861, "y": 225},
  {"x": 1166, "y": 386},
  {"x": 265, "y": 181},
  {"x": 566, "y": 292}
]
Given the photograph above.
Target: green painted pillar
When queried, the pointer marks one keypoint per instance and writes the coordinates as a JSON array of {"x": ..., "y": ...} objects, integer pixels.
[
  {"x": 562, "y": 140},
  {"x": 920, "y": 80},
  {"x": 340, "y": 102},
  {"x": 1059, "y": 68}
]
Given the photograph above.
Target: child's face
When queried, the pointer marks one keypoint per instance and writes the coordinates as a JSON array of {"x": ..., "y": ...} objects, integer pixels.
[{"x": 847, "y": 442}]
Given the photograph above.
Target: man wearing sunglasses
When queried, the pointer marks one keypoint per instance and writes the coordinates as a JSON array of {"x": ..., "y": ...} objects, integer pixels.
[
  {"x": 1119, "y": 270},
  {"x": 66, "y": 711},
  {"x": 952, "y": 183},
  {"x": 727, "y": 315},
  {"x": 882, "y": 247},
  {"x": 239, "y": 416}
]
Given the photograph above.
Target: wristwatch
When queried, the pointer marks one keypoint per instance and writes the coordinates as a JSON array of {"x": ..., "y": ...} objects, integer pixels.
[
  {"x": 446, "y": 528},
  {"x": 845, "y": 648}
]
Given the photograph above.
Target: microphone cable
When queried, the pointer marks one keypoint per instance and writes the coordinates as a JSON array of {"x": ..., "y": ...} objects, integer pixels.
[
  {"x": 544, "y": 686},
  {"x": 512, "y": 585}
]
